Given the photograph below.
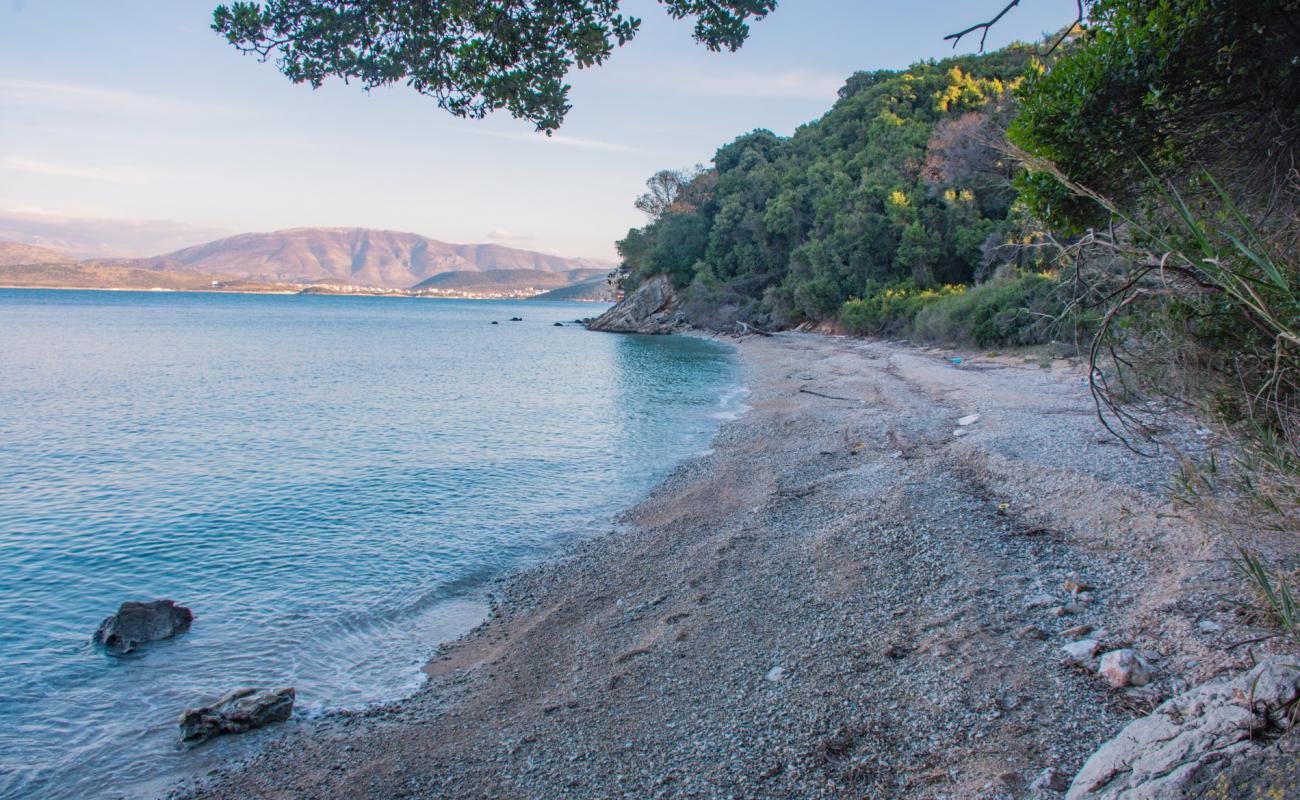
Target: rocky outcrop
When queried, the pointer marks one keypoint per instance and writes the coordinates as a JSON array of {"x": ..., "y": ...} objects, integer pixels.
[
  {"x": 135, "y": 624},
  {"x": 1188, "y": 743},
  {"x": 651, "y": 308},
  {"x": 241, "y": 710}
]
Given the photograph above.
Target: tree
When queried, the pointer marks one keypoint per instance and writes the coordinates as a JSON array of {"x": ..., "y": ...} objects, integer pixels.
[{"x": 472, "y": 56}]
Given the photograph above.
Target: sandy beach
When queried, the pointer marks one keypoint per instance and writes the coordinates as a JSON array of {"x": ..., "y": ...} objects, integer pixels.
[{"x": 851, "y": 595}]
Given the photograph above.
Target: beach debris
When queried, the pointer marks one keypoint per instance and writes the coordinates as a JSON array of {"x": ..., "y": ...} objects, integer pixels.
[
  {"x": 1081, "y": 652},
  {"x": 1190, "y": 740},
  {"x": 956, "y": 362},
  {"x": 969, "y": 419},
  {"x": 241, "y": 710},
  {"x": 774, "y": 674},
  {"x": 136, "y": 623},
  {"x": 1125, "y": 668},
  {"x": 1077, "y": 631}
]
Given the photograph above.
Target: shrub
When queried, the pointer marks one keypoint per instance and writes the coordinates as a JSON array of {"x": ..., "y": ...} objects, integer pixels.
[
  {"x": 890, "y": 309},
  {"x": 1005, "y": 311}
]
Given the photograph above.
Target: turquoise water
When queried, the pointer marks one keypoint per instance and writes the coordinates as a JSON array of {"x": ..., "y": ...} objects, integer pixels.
[{"x": 328, "y": 482}]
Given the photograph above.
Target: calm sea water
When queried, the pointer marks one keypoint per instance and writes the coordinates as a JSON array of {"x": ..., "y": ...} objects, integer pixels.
[{"x": 328, "y": 482}]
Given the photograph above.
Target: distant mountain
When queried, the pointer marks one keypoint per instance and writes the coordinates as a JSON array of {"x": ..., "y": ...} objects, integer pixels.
[
  {"x": 596, "y": 290},
  {"x": 506, "y": 279},
  {"x": 88, "y": 275},
  {"x": 357, "y": 256},
  {"x": 16, "y": 253}
]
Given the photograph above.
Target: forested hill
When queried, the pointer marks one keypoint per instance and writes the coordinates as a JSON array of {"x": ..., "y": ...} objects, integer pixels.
[{"x": 902, "y": 180}]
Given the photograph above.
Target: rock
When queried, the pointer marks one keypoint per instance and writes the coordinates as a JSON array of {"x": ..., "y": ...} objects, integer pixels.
[
  {"x": 969, "y": 419},
  {"x": 651, "y": 308},
  {"x": 1081, "y": 652},
  {"x": 1190, "y": 742},
  {"x": 241, "y": 710},
  {"x": 516, "y": 319},
  {"x": 774, "y": 674},
  {"x": 1074, "y": 584},
  {"x": 1050, "y": 780},
  {"x": 1125, "y": 668},
  {"x": 494, "y": 322},
  {"x": 1040, "y": 600},
  {"x": 1078, "y": 631},
  {"x": 135, "y": 624},
  {"x": 558, "y": 324},
  {"x": 1061, "y": 611},
  {"x": 1030, "y": 632},
  {"x": 1209, "y": 626}
]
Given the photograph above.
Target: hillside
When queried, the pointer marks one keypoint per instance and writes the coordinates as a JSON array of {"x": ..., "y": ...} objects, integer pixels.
[
  {"x": 18, "y": 253},
  {"x": 89, "y": 275},
  {"x": 593, "y": 290},
  {"x": 359, "y": 256},
  {"x": 507, "y": 279}
]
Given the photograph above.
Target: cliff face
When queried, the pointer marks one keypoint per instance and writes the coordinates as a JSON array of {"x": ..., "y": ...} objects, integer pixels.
[{"x": 652, "y": 308}]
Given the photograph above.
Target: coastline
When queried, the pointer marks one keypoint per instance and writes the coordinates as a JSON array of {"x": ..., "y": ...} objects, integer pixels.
[{"x": 835, "y": 599}]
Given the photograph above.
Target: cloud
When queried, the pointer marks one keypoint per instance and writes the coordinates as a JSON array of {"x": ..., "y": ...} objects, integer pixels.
[
  {"x": 100, "y": 237},
  {"x": 788, "y": 85},
  {"x": 561, "y": 141},
  {"x": 37, "y": 167},
  {"x": 81, "y": 98},
  {"x": 502, "y": 235}
]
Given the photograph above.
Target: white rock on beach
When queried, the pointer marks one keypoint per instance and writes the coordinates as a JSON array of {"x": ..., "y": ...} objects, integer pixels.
[
  {"x": 969, "y": 419},
  {"x": 1182, "y": 746},
  {"x": 1125, "y": 668},
  {"x": 1080, "y": 652}
]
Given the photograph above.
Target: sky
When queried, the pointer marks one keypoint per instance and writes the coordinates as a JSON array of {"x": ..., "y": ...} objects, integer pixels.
[{"x": 130, "y": 128}]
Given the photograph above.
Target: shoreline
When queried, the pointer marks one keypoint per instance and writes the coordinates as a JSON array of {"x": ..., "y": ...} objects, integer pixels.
[{"x": 756, "y": 625}]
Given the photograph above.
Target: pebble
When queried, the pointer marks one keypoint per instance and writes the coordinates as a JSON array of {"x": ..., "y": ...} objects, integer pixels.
[{"x": 1123, "y": 668}]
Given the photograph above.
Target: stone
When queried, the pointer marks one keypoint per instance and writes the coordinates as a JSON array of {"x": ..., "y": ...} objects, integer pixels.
[
  {"x": 969, "y": 419},
  {"x": 1125, "y": 668},
  {"x": 1193, "y": 741},
  {"x": 241, "y": 710},
  {"x": 774, "y": 674},
  {"x": 1040, "y": 600},
  {"x": 1209, "y": 626},
  {"x": 1050, "y": 780},
  {"x": 650, "y": 308},
  {"x": 1078, "y": 631},
  {"x": 135, "y": 624},
  {"x": 1081, "y": 652}
]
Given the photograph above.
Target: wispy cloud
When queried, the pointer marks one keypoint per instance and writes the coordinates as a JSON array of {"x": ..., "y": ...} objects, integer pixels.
[
  {"x": 788, "y": 85},
  {"x": 98, "y": 237},
  {"x": 561, "y": 141},
  {"x": 503, "y": 235},
  {"x": 37, "y": 167},
  {"x": 82, "y": 98}
]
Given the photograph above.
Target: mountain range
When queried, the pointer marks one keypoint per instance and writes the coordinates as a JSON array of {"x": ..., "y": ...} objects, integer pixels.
[{"x": 351, "y": 256}]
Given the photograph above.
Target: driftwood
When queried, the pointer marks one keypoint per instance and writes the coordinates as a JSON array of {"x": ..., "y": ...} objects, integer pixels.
[
  {"x": 828, "y": 396},
  {"x": 745, "y": 329}
]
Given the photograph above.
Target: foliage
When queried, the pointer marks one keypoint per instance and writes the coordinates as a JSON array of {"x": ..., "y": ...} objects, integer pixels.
[
  {"x": 473, "y": 57},
  {"x": 890, "y": 309},
  {"x": 1179, "y": 85},
  {"x": 902, "y": 180},
  {"x": 1004, "y": 311},
  {"x": 1272, "y": 588}
]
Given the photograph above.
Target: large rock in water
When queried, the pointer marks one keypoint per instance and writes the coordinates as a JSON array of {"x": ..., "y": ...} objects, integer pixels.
[
  {"x": 241, "y": 710},
  {"x": 1189, "y": 742},
  {"x": 652, "y": 308},
  {"x": 137, "y": 623}
]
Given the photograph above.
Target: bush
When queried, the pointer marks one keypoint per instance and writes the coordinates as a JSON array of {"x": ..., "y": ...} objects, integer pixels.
[
  {"x": 890, "y": 310},
  {"x": 1005, "y": 311}
]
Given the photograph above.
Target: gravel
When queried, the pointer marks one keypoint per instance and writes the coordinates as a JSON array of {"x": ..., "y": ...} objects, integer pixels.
[{"x": 843, "y": 599}]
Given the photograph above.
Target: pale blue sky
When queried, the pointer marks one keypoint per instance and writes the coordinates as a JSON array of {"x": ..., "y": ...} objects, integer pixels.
[{"x": 134, "y": 110}]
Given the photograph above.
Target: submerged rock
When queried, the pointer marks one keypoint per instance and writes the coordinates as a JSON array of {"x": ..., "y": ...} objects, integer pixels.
[
  {"x": 241, "y": 710},
  {"x": 652, "y": 308},
  {"x": 1188, "y": 742},
  {"x": 135, "y": 624}
]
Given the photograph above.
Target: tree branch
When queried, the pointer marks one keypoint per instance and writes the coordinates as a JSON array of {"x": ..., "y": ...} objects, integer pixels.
[{"x": 983, "y": 26}]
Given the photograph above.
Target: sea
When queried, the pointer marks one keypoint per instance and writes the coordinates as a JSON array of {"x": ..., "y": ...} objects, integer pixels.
[{"x": 330, "y": 484}]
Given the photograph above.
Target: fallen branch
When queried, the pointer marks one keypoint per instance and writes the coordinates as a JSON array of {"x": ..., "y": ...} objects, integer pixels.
[
  {"x": 745, "y": 330},
  {"x": 828, "y": 396}
]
